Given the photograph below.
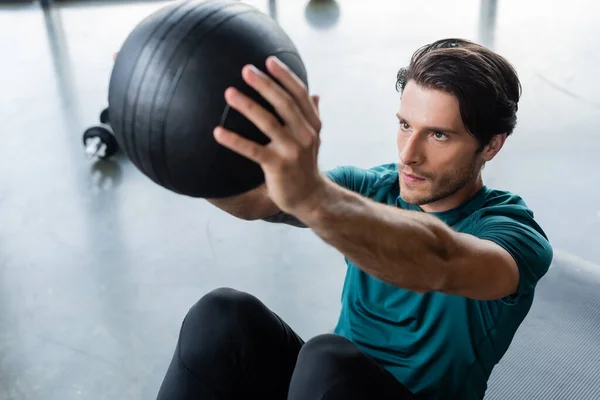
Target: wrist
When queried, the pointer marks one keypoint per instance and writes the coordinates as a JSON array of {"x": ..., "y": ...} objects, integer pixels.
[{"x": 316, "y": 203}]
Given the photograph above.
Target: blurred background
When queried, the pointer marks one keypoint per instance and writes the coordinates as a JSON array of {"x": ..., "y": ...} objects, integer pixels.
[{"x": 98, "y": 265}]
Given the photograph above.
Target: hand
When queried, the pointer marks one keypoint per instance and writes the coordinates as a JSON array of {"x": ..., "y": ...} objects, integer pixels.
[{"x": 289, "y": 161}]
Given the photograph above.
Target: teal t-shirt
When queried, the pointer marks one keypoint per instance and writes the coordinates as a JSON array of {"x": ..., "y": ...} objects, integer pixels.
[{"x": 442, "y": 346}]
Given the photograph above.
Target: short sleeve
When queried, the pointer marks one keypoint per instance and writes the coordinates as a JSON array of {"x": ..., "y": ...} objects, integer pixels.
[
  {"x": 351, "y": 178},
  {"x": 525, "y": 241}
]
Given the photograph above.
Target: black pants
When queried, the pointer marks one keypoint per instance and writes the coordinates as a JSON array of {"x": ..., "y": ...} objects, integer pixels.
[{"x": 231, "y": 346}]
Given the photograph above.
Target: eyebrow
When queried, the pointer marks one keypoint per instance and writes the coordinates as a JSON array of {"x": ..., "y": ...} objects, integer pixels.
[{"x": 431, "y": 128}]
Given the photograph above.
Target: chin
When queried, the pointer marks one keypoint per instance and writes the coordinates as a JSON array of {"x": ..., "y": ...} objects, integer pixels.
[
  {"x": 414, "y": 200},
  {"x": 410, "y": 197}
]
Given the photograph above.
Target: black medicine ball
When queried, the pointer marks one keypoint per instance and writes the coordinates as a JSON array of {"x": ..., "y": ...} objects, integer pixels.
[{"x": 167, "y": 87}]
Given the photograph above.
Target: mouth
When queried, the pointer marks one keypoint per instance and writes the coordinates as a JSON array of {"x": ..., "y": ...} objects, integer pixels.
[{"x": 409, "y": 178}]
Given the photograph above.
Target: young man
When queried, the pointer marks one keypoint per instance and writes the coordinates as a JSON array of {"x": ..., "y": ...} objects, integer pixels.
[{"x": 441, "y": 269}]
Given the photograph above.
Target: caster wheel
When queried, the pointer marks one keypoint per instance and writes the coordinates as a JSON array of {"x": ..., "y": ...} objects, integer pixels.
[
  {"x": 104, "y": 116},
  {"x": 99, "y": 142}
]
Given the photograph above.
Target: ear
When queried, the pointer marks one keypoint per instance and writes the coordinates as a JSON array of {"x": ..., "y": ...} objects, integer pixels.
[{"x": 494, "y": 146}]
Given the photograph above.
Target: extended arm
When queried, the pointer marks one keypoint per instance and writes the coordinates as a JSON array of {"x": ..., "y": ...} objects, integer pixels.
[{"x": 410, "y": 249}]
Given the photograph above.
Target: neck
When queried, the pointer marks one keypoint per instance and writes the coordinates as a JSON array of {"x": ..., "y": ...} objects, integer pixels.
[{"x": 455, "y": 200}]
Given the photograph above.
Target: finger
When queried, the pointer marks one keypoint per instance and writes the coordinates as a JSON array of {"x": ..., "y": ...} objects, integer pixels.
[
  {"x": 283, "y": 102},
  {"x": 115, "y": 56},
  {"x": 315, "y": 100},
  {"x": 297, "y": 88},
  {"x": 245, "y": 147},
  {"x": 261, "y": 118}
]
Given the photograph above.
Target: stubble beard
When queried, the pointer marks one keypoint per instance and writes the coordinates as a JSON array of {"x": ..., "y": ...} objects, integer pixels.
[{"x": 445, "y": 185}]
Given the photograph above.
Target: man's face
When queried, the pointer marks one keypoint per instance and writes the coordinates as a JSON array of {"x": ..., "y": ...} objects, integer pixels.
[{"x": 438, "y": 157}]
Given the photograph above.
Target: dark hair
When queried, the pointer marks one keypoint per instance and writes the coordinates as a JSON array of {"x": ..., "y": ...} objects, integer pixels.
[{"x": 486, "y": 85}]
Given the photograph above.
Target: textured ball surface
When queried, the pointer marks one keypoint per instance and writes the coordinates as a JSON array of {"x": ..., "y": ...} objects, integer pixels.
[{"x": 166, "y": 93}]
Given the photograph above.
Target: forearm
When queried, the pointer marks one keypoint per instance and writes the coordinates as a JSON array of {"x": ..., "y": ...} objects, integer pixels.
[
  {"x": 255, "y": 205},
  {"x": 404, "y": 248},
  {"x": 252, "y": 205}
]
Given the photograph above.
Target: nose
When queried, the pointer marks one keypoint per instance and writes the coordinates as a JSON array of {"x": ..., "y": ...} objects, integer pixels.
[{"x": 411, "y": 149}]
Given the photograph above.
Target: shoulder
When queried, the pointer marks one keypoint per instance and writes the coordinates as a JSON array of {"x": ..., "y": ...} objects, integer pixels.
[
  {"x": 364, "y": 180},
  {"x": 502, "y": 205},
  {"x": 506, "y": 219}
]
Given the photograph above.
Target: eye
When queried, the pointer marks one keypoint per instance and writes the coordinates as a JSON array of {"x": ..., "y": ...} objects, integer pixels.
[
  {"x": 404, "y": 126},
  {"x": 440, "y": 136}
]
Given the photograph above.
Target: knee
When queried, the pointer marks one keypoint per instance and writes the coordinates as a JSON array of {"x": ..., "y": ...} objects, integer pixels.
[
  {"x": 221, "y": 303},
  {"x": 323, "y": 362},
  {"x": 327, "y": 345},
  {"x": 223, "y": 309},
  {"x": 223, "y": 297},
  {"x": 329, "y": 353}
]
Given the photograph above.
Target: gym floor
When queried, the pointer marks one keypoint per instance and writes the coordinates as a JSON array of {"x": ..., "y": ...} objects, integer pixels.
[{"x": 98, "y": 265}]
